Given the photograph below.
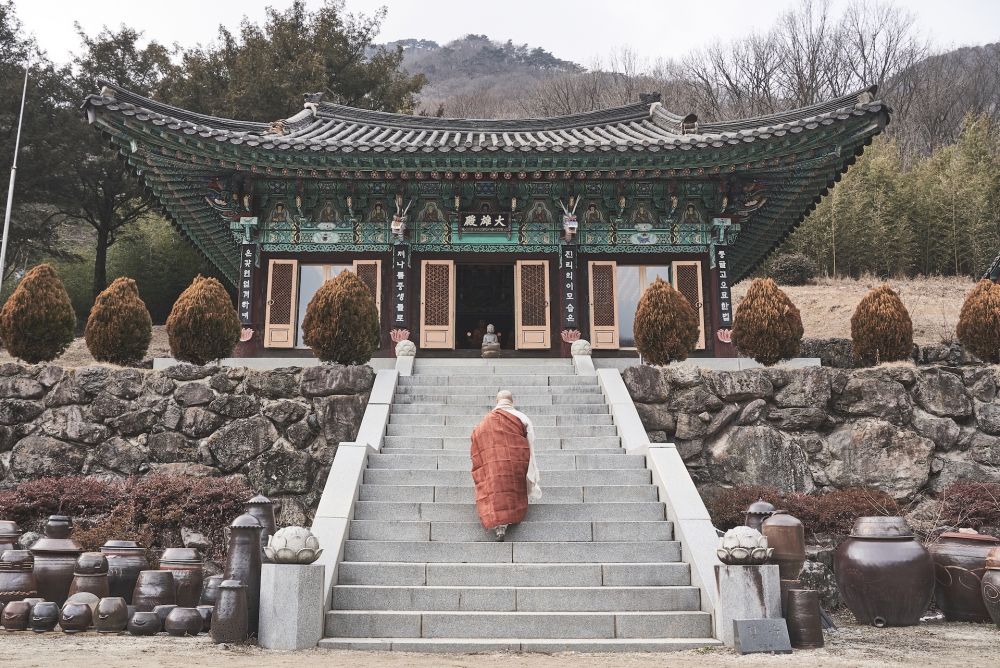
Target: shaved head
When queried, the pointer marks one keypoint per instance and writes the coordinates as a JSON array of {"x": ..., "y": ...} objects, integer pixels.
[{"x": 505, "y": 395}]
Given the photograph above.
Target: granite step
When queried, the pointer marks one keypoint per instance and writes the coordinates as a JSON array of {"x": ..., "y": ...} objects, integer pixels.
[
  {"x": 469, "y": 532},
  {"x": 456, "y": 409},
  {"x": 549, "y": 460},
  {"x": 550, "y": 494},
  {"x": 515, "y": 599},
  {"x": 470, "y": 421},
  {"x": 554, "y": 433},
  {"x": 492, "y": 645},
  {"x": 589, "y": 625},
  {"x": 524, "y": 403},
  {"x": 626, "y": 511},
  {"x": 381, "y": 476},
  {"x": 516, "y": 575}
]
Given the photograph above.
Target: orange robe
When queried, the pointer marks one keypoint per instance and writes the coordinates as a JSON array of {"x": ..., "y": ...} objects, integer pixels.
[{"x": 500, "y": 455}]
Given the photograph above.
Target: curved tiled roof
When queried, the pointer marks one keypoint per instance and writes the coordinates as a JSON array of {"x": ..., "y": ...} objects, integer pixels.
[{"x": 332, "y": 127}]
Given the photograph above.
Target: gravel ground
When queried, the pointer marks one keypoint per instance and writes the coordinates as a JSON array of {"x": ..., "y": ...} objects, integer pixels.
[{"x": 934, "y": 644}]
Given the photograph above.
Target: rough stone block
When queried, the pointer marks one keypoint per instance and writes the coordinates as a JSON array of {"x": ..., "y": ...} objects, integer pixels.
[
  {"x": 746, "y": 592},
  {"x": 291, "y": 606}
]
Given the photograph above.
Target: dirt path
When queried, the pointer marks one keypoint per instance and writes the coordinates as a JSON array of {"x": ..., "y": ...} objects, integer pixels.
[{"x": 931, "y": 645}]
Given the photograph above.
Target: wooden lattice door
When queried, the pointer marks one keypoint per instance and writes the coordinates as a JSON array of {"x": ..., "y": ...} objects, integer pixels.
[
  {"x": 531, "y": 304},
  {"x": 279, "y": 319},
  {"x": 687, "y": 281},
  {"x": 437, "y": 304},
  {"x": 370, "y": 273},
  {"x": 603, "y": 305}
]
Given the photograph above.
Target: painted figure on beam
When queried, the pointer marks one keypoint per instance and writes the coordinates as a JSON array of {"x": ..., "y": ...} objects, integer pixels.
[{"x": 503, "y": 466}]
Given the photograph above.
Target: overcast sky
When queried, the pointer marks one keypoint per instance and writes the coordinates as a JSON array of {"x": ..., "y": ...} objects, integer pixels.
[{"x": 575, "y": 30}]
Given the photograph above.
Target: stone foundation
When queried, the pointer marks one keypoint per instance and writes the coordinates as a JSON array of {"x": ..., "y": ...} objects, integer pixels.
[{"x": 278, "y": 429}]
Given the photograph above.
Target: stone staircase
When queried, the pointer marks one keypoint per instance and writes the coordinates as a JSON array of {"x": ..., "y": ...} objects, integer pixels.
[{"x": 594, "y": 567}]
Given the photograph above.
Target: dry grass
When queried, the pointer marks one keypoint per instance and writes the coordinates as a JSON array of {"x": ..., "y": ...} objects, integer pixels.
[
  {"x": 77, "y": 354},
  {"x": 828, "y": 304}
]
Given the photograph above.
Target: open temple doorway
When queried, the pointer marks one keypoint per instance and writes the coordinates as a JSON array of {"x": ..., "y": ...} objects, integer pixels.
[{"x": 484, "y": 296}]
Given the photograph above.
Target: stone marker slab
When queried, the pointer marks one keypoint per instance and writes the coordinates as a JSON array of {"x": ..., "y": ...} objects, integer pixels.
[
  {"x": 746, "y": 592},
  {"x": 291, "y": 606},
  {"x": 761, "y": 636}
]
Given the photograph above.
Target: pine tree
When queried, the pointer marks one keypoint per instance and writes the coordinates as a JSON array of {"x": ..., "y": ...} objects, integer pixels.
[
  {"x": 119, "y": 328},
  {"x": 341, "y": 324},
  {"x": 203, "y": 325},
  {"x": 666, "y": 327},
  {"x": 767, "y": 326}
]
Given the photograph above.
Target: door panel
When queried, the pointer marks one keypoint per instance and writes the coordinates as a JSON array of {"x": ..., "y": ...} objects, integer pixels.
[
  {"x": 531, "y": 304},
  {"x": 603, "y": 306},
  {"x": 370, "y": 272},
  {"x": 687, "y": 281},
  {"x": 437, "y": 304},
  {"x": 279, "y": 319}
]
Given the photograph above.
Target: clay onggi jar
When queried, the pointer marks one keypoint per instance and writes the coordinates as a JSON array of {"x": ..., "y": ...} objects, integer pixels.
[
  {"x": 55, "y": 559},
  {"x": 153, "y": 588},
  {"x": 126, "y": 559},
  {"x": 787, "y": 536},
  {"x": 959, "y": 564},
  {"x": 229, "y": 618},
  {"x": 17, "y": 579},
  {"x": 883, "y": 572}
]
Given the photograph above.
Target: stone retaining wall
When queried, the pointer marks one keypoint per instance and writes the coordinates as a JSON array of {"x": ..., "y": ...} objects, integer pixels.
[
  {"x": 906, "y": 430},
  {"x": 278, "y": 429}
]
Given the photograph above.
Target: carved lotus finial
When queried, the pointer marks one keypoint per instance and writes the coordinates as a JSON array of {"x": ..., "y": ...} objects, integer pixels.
[
  {"x": 744, "y": 546},
  {"x": 406, "y": 348},
  {"x": 580, "y": 347},
  {"x": 293, "y": 545}
]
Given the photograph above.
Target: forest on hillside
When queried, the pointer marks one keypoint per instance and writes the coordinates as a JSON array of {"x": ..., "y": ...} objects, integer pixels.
[{"x": 924, "y": 199}]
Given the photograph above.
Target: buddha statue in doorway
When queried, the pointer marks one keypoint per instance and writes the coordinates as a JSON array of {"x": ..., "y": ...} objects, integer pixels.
[{"x": 491, "y": 343}]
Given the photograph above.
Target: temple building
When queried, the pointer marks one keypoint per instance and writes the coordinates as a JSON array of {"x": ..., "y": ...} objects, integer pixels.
[{"x": 541, "y": 227}]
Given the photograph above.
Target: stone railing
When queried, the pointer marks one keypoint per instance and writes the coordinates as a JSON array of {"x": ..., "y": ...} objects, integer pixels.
[{"x": 278, "y": 429}]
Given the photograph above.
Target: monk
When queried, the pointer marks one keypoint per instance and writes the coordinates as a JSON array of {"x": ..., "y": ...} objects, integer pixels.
[{"x": 503, "y": 466}]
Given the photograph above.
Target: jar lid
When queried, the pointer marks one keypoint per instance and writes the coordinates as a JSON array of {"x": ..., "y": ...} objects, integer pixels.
[
  {"x": 245, "y": 521},
  {"x": 760, "y": 507},
  {"x": 881, "y": 527},
  {"x": 56, "y": 545},
  {"x": 232, "y": 584},
  {"x": 181, "y": 554},
  {"x": 119, "y": 544},
  {"x": 970, "y": 536},
  {"x": 8, "y": 527},
  {"x": 259, "y": 500},
  {"x": 17, "y": 560}
]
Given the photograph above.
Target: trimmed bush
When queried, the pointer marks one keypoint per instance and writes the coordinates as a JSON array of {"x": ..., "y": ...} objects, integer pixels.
[
  {"x": 833, "y": 513},
  {"x": 203, "y": 325},
  {"x": 37, "y": 323},
  {"x": 341, "y": 323},
  {"x": 666, "y": 327},
  {"x": 793, "y": 269},
  {"x": 119, "y": 328},
  {"x": 881, "y": 330},
  {"x": 767, "y": 326},
  {"x": 979, "y": 322},
  {"x": 151, "y": 509}
]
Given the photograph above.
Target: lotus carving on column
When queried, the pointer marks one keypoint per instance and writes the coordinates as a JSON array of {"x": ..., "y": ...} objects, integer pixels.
[
  {"x": 744, "y": 546},
  {"x": 293, "y": 545}
]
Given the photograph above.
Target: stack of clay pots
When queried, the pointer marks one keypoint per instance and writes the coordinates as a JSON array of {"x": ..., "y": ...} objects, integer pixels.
[
  {"x": 187, "y": 567},
  {"x": 55, "y": 559},
  {"x": 126, "y": 559},
  {"x": 800, "y": 607},
  {"x": 91, "y": 575},
  {"x": 17, "y": 578}
]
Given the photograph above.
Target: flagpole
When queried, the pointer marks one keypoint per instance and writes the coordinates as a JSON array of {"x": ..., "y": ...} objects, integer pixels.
[{"x": 13, "y": 174}]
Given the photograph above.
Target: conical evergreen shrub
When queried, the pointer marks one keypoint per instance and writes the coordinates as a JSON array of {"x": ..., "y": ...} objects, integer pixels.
[
  {"x": 203, "y": 325},
  {"x": 666, "y": 327},
  {"x": 881, "y": 330},
  {"x": 341, "y": 323},
  {"x": 37, "y": 323},
  {"x": 767, "y": 326},
  {"x": 979, "y": 322},
  {"x": 119, "y": 328}
]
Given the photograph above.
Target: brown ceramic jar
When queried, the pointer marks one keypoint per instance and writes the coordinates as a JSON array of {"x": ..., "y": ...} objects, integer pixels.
[
  {"x": 211, "y": 589},
  {"x": 229, "y": 617},
  {"x": 262, "y": 508},
  {"x": 788, "y": 538},
  {"x": 184, "y": 622},
  {"x": 55, "y": 559},
  {"x": 883, "y": 572},
  {"x": 144, "y": 624},
  {"x": 959, "y": 564},
  {"x": 153, "y": 588},
  {"x": 15, "y": 615},
  {"x": 188, "y": 571},
  {"x": 991, "y": 585},
  {"x": 91, "y": 575},
  {"x": 805, "y": 627},
  {"x": 126, "y": 559},
  {"x": 243, "y": 563},
  {"x": 17, "y": 579},
  {"x": 112, "y": 615},
  {"x": 10, "y": 533},
  {"x": 44, "y": 616},
  {"x": 75, "y": 617}
]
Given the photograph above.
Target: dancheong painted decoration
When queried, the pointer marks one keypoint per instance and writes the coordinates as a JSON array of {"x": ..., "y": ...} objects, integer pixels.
[{"x": 484, "y": 209}]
